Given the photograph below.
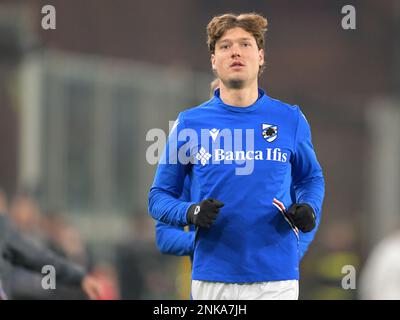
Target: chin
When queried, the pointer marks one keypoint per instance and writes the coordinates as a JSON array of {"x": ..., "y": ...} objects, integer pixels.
[{"x": 235, "y": 83}]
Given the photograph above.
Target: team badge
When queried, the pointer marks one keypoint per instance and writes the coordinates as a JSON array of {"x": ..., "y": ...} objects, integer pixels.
[{"x": 269, "y": 132}]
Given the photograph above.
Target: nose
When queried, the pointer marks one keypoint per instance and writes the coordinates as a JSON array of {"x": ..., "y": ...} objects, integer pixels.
[{"x": 235, "y": 51}]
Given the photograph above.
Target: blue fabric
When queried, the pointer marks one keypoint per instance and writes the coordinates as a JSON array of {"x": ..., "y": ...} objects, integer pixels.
[
  {"x": 250, "y": 241},
  {"x": 172, "y": 239}
]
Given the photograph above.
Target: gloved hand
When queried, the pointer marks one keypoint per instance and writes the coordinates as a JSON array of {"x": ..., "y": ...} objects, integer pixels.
[
  {"x": 302, "y": 216},
  {"x": 203, "y": 214}
]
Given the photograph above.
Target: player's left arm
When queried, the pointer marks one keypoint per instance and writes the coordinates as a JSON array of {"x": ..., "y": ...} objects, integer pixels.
[{"x": 307, "y": 181}]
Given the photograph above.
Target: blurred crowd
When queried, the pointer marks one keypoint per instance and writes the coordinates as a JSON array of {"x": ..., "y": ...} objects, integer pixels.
[
  {"x": 340, "y": 268},
  {"x": 137, "y": 270}
]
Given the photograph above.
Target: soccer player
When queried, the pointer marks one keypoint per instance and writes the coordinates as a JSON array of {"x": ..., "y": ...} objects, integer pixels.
[{"x": 256, "y": 185}]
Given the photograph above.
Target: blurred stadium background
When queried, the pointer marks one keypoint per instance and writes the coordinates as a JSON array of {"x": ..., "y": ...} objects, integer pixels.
[{"x": 76, "y": 104}]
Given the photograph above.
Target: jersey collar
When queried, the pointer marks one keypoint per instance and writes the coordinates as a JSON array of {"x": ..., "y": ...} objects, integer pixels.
[{"x": 250, "y": 108}]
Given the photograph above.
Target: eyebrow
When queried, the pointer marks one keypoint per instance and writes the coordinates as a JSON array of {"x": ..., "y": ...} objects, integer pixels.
[{"x": 247, "y": 39}]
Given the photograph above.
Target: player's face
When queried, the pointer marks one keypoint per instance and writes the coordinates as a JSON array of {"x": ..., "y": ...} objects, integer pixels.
[{"x": 237, "y": 58}]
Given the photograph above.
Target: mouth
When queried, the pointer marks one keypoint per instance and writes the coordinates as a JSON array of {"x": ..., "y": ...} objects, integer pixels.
[{"x": 237, "y": 64}]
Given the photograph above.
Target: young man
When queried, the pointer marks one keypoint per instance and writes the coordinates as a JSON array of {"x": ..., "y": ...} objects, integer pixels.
[{"x": 254, "y": 156}]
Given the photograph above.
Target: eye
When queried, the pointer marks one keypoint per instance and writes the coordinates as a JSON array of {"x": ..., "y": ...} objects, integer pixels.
[
  {"x": 224, "y": 46},
  {"x": 246, "y": 44}
]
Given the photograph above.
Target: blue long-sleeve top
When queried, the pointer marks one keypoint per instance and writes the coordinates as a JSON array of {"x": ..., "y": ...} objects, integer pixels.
[
  {"x": 250, "y": 241},
  {"x": 175, "y": 240}
]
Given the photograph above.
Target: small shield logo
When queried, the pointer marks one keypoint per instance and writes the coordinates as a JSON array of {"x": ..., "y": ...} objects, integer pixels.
[{"x": 269, "y": 132}]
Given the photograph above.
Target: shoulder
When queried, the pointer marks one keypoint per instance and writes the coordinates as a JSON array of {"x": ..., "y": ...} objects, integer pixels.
[
  {"x": 290, "y": 113},
  {"x": 196, "y": 111},
  {"x": 282, "y": 106}
]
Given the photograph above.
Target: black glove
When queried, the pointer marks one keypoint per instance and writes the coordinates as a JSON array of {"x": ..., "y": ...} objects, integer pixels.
[
  {"x": 302, "y": 216},
  {"x": 203, "y": 214}
]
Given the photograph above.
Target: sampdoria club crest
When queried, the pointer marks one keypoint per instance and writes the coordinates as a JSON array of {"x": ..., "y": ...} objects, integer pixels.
[{"x": 269, "y": 132}]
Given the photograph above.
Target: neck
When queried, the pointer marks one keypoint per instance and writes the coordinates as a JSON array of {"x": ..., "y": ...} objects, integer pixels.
[{"x": 242, "y": 97}]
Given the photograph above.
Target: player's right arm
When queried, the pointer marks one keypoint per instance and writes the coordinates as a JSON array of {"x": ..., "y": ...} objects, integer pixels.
[
  {"x": 164, "y": 202},
  {"x": 173, "y": 239}
]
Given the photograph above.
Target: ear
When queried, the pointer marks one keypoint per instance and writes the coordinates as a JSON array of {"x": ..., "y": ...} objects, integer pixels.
[
  {"x": 212, "y": 59},
  {"x": 261, "y": 57}
]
